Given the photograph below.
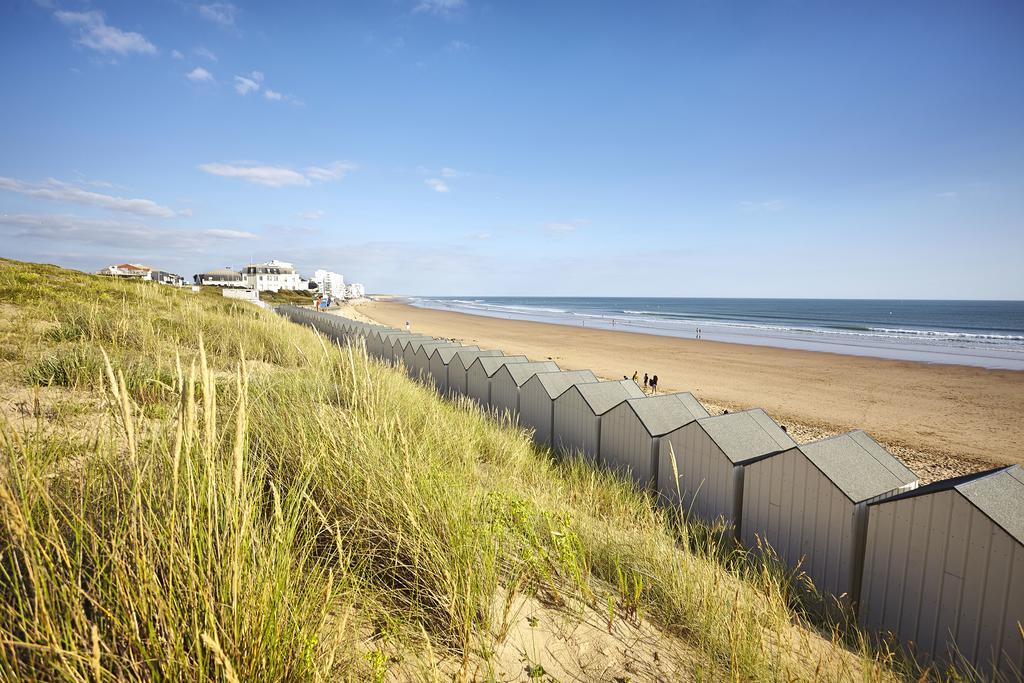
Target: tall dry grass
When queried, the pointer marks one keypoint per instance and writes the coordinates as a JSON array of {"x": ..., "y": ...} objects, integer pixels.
[{"x": 252, "y": 502}]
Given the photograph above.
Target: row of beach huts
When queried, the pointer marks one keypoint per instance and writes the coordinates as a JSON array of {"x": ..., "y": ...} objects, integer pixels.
[{"x": 939, "y": 567}]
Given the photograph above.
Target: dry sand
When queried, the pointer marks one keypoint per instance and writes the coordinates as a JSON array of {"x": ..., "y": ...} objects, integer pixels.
[{"x": 939, "y": 419}]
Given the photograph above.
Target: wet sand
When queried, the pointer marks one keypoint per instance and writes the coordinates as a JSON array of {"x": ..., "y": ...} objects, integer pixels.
[{"x": 939, "y": 419}]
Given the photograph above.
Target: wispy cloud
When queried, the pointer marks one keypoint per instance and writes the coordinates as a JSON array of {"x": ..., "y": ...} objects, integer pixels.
[
  {"x": 96, "y": 34},
  {"x": 311, "y": 215},
  {"x": 272, "y": 95},
  {"x": 205, "y": 53},
  {"x": 176, "y": 54},
  {"x": 479, "y": 236},
  {"x": 55, "y": 190},
  {"x": 566, "y": 226},
  {"x": 249, "y": 83},
  {"x": 199, "y": 75},
  {"x": 67, "y": 228},
  {"x": 439, "y": 7},
  {"x": 457, "y": 46},
  {"x": 770, "y": 206},
  {"x": 333, "y": 171},
  {"x": 279, "y": 176},
  {"x": 436, "y": 184},
  {"x": 223, "y": 13},
  {"x": 947, "y": 195},
  {"x": 450, "y": 173}
]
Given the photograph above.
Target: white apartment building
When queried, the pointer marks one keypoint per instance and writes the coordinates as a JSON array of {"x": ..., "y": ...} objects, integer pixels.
[
  {"x": 355, "y": 291},
  {"x": 272, "y": 276},
  {"x": 332, "y": 284}
]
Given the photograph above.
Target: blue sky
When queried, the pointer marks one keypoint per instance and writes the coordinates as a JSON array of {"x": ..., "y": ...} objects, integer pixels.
[{"x": 776, "y": 148}]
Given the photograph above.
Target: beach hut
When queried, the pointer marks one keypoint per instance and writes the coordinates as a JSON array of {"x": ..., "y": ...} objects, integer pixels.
[
  {"x": 387, "y": 340},
  {"x": 399, "y": 343},
  {"x": 810, "y": 503},
  {"x": 576, "y": 420},
  {"x": 509, "y": 379},
  {"x": 710, "y": 455},
  {"x": 631, "y": 433},
  {"x": 459, "y": 367},
  {"x": 421, "y": 361},
  {"x": 440, "y": 359},
  {"x": 409, "y": 350},
  {"x": 479, "y": 374},
  {"x": 373, "y": 341},
  {"x": 944, "y": 571},
  {"x": 537, "y": 399}
]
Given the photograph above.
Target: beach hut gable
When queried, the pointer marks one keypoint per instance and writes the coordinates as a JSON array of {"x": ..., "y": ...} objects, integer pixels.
[
  {"x": 858, "y": 465},
  {"x": 522, "y": 372},
  {"x": 491, "y": 364},
  {"x": 557, "y": 383},
  {"x": 446, "y": 353},
  {"x": 603, "y": 396},
  {"x": 662, "y": 414},
  {"x": 745, "y": 435}
]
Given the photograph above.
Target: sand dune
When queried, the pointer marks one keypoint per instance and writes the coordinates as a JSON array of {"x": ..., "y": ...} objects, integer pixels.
[{"x": 940, "y": 419}]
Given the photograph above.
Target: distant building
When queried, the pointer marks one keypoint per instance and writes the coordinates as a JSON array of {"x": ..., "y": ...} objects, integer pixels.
[
  {"x": 330, "y": 283},
  {"x": 354, "y": 291},
  {"x": 220, "y": 277},
  {"x": 165, "y": 278},
  {"x": 131, "y": 271},
  {"x": 273, "y": 276}
]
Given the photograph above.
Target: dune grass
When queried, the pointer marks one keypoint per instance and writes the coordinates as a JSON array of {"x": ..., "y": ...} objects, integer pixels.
[{"x": 236, "y": 498}]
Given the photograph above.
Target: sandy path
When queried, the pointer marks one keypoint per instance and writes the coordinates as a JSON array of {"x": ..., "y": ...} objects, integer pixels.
[{"x": 940, "y": 419}]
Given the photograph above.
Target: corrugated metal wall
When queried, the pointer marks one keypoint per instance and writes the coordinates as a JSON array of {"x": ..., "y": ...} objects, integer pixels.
[
  {"x": 536, "y": 409},
  {"x": 457, "y": 377},
  {"x": 439, "y": 373},
  {"x": 575, "y": 426},
  {"x": 937, "y": 569},
  {"x": 788, "y": 502},
  {"x": 478, "y": 385},
  {"x": 711, "y": 487},
  {"x": 504, "y": 393},
  {"x": 626, "y": 447}
]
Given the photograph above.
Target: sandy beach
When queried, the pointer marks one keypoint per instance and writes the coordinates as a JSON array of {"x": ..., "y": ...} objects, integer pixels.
[{"x": 939, "y": 419}]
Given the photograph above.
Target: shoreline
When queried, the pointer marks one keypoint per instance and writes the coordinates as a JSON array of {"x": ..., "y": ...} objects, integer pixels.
[{"x": 940, "y": 419}]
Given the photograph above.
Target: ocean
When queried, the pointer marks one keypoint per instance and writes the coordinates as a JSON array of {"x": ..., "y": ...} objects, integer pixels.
[{"x": 987, "y": 334}]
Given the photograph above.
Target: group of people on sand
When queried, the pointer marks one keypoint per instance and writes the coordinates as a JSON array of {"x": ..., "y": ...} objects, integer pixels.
[
  {"x": 649, "y": 382},
  {"x": 321, "y": 302}
]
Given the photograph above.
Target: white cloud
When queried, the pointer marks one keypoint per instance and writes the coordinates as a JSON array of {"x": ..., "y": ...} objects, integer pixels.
[
  {"x": 311, "y": 215},
  {"x": 457, "y": 46},
  {"x": 947, "y": 195},
  {"x": 449, "y": 173},
  {"x": 223, "y": 13},
  {"x": 247, "y": 84},
  {"x": 271, "y": 176},
  {"x": 272, "y": 95},
  {"x": 279, "y": 176},
  {"x": 55, "y": 190},
  {"x": 65, "y": 228},
  {"x": 95, "y": 34},
  {"x": 334, "y": 171},
  {"x": 565, "y": 226},
  {"x": 770, "y": 206},
  {"x": 436, "y": 184},
  {"x": 176, "y": 54},
  {"x": 199, "y": 75},
  {"x": 439, "y": 7},
  {"x": 205, "y": 53}
]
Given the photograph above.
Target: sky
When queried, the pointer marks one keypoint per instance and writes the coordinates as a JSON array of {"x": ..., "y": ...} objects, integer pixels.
[{"x": 780, "y": 148}]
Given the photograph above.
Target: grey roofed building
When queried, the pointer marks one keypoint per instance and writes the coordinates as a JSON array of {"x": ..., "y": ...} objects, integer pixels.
[
  {"x": 558, "y": 382},
  {"x": 998, "y": 493},
  {"x": 446, "y": 353},
  {"x": 491, "y": 364},
  {"x": 603, "y": 396},
  {"x": 858, "y": 465},
  {"x": 660, "y": 414},
  {"x": 521, "y": 372},
  {"x": 746, "y": 434}
]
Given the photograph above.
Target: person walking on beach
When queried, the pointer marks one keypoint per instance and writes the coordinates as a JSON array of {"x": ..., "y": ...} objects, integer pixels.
[
  {"x": 319, "y": 298},
  {"x": 408, "y": 327},
  {"x": 654, "y": 384},
  {"x": 645, "y": 382},
  {"x": 635, "y": 375}
]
